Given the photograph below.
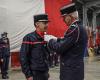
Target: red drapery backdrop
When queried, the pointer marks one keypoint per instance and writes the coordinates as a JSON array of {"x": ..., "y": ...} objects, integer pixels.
[
  {"x": 52, "y": 7},
  {"x": 98, "y": 36}
]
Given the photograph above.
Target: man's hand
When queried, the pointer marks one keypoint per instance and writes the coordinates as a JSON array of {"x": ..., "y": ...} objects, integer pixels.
[
  {"x": 30, "y": 78},
  {"x": 1, "y": 60},
  {"x": 48, "y": 37}
]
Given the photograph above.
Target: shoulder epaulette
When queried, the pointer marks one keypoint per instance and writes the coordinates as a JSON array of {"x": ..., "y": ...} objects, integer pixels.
[{"x": 74, "y": 26}]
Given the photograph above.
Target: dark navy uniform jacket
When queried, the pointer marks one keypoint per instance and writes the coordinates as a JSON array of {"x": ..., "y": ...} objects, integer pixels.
[
  {"x": 71, "y": 49},
  {"x": 0, "y": 49},
  {"x": 5, "y": 47},
  {"x": 33, "y": 54}
]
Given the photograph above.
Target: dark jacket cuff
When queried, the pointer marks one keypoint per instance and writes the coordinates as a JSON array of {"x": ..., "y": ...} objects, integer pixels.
[{"x": 28, "y": 75}]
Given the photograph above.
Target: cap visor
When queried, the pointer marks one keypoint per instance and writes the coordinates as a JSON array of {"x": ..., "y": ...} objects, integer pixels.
[
  {"x": 64, "y": 15},
  {"x": 43, "y": 20}
]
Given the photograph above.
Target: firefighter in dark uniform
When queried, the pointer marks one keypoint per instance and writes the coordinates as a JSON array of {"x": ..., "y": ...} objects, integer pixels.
[
  {"x": 5, "y": 51},
  {"x": 72, "y": 47},
  {"x": 34, "y": 53},
  {"x": 53, "y": 59},
  {"x": 0, "y": 48},
  {"x": 1, "y": 57},
  {"x": 56, "y": 58}
]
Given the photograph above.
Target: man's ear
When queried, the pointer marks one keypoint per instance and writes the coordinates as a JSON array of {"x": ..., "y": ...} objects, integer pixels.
[{"x": 37, "y": 24}]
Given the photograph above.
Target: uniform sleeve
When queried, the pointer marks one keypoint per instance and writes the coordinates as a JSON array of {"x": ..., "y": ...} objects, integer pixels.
[
  {"x": 8, "y": 45},
  {"x": 1, "y": 53},
  {"x": 66, "y": 43},
  {"x": 3, "y": 49},
  {"x": 24, "y": 59}
]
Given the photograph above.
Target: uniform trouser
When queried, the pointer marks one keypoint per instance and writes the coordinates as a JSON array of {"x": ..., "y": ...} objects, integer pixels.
[
  {"x": 51, "y": 60},
  {"x": 40, "y": 75},
  {"x": 56, "y": 59},
  {"x": 4, "y": 66}
]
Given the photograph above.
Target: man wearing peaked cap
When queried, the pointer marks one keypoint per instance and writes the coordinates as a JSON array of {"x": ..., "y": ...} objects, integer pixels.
[
  {"x": 68, "y": 9},
  {"x": 41, "y": 18},
  {"x": 72, "y": 46},
  {"x": 34, "y": 52},
  {"x": 4, "y": 34},
  {"x": 5, "y": 50}
]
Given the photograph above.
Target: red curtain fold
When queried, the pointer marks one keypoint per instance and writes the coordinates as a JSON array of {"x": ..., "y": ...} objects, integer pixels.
[{"x": 52, "y": 7}]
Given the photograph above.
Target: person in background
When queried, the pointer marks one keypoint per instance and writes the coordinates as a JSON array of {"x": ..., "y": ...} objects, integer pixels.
[
  {"x": 1, "y": 58},
  {"x": 53, "y": 59},
  {"x": 5, "y": 51},
  {"x": 56, "y": 59}
]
